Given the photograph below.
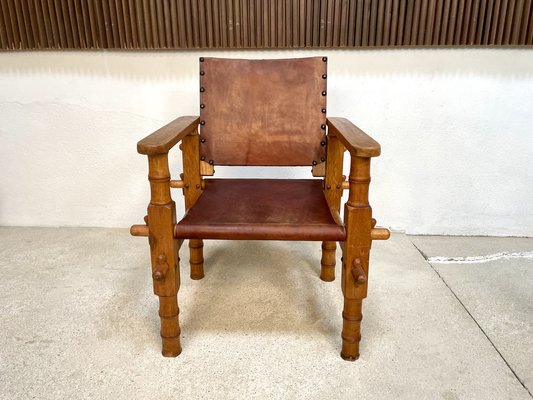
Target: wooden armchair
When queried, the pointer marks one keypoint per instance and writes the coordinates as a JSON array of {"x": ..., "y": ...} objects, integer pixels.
[{"x": 261, "y": 113}]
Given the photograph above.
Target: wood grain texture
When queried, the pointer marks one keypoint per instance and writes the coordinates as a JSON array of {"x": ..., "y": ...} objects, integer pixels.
[
  {"x": 354, "y": 139},
  {"x": 333, "y": 193},
  {"x": 192, "y": 24},
  {"x": 206, "y": 169},
  {"x": 334, "y": 163},
  {"x": 192, "y": 180},
  {"x": 192, "y": 190},
  {"x": 162, "y": 140}
]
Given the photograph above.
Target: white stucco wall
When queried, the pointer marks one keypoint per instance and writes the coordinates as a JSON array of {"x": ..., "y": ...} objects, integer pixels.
[{"x": 455, "y": 125}]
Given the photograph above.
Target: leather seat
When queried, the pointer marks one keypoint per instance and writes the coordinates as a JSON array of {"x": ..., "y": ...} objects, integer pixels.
[{"x": 261, "y": 209}]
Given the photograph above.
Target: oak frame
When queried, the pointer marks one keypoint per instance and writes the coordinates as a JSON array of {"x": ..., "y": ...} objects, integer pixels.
[{"x": 360, "y": 226}]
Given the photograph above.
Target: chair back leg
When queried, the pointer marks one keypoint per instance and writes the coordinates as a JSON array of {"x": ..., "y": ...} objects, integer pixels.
[
  {"x": 327, "y": 271},
  {"x": 196, "y": 249}
]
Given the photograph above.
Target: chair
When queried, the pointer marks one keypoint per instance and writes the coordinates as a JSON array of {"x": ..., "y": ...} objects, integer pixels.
[{"x": 261, "y": 113}]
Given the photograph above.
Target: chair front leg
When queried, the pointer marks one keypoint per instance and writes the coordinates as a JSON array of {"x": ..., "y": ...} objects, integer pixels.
[
  {"x": 356, "y": 251},
  {"x": 164, "y": 253}
]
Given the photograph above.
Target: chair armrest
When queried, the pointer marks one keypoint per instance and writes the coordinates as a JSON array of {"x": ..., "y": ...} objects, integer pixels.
[
  {"x": 354, "y": 139},
  {"x": 162, "y": 140}
]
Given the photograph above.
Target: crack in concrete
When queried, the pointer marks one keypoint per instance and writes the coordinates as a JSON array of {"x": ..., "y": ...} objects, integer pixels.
[
  {"x": 472, "y": 317},
  {"x": 478, "y": 259}
]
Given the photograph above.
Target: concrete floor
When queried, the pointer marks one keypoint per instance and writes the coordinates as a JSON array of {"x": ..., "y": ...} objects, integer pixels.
[{"x": 78, "y": 320}]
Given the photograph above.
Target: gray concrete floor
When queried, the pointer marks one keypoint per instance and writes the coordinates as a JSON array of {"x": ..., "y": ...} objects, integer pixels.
[{"x": 78, "y": 320}]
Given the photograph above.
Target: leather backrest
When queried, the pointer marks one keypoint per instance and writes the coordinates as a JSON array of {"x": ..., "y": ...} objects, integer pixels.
[{"x": 263, "y": 112}]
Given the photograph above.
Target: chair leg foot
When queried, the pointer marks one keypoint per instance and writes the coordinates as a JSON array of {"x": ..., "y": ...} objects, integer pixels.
[
  {"x": 351, "y": 329},
  {"x": 170, "y": 328},
  {"x": 327, "y": 271},
  {"x": 171, "y": 347},
  {"x": 349, "y": 358},
  {"x": 196, "y": 247}
]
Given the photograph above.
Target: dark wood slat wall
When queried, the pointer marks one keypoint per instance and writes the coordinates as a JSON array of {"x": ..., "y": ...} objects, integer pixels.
[{"x": 186, "y": 24}]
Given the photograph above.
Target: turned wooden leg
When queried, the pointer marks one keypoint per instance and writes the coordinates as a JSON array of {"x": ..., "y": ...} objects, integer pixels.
[
  {"x": 354, "y": 290},
  {"x": 166, "y": 279},
  {"x": 164, "y": 252},
  {"x": 170, "y": 327},
  {"x": 166, "y": 285},
  {"x": 197, "y": 258},
  {"x": 351, "y": 329},
  {"x": 356, "y": 251},
  {"x": 327, "y": 272}
]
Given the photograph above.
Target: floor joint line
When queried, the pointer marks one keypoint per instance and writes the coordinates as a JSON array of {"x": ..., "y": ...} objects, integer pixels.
[{"x": 473, "y": 319}]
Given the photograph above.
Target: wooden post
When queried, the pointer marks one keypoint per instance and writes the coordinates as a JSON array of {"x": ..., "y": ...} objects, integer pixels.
[
  {"x": 197, "y": 258},
  {"x": 327, "y": 271},
  {"x": 358, "y": 222},
  {"x": 164, "y": 252},
  {"x": 333, "y": 193},
  {"x": 192, "y": 189}
]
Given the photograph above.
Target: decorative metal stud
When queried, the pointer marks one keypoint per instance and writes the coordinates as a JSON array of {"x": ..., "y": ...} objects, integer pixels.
[
  {"x": 202, "y": 158},
  {"x": 211, "y": 162},
  {"x": 323, "y": 126},
  {"x": 202, "y": 89},
  {"x": 324, "y": 76},
  {"x": 323, "y": 92},
  {"x": 322, "y": 143},
  {"x": 324, "y": 59},
  {"x": 322, "y": 159},
  {"x": 202, "y": 73},
  {"x": 202, "y": 122},
  {"x": 323, "y": 110},
  {"x": 202, "y": 106},
  {"x": 201, "y": 59},
  {"x": 202, "y": 140},
  {"x": 314, "y": 162}
]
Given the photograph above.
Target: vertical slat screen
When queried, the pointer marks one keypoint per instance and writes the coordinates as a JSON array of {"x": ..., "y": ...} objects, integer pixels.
[{"x": 189, "y": 24}]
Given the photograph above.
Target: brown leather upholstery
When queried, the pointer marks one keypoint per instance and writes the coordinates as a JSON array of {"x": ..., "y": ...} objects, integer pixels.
[
  {"x": 263, "y": 112},
  {"x": 265, "y": 209}
]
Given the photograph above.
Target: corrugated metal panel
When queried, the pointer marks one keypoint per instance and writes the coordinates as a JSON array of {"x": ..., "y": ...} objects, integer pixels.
[{"x": 184, "y": 24}]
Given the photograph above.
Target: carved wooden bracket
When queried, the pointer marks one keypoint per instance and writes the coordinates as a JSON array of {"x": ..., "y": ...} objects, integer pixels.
[
  {"x": 319, "y": 169},
  {"x": 206, "y": 169}
]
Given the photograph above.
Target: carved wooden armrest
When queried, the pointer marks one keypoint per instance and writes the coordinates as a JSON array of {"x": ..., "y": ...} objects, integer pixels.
[
  {"x": 156, "y": 146},
  {"x": 162, "y": 140},
  {"x": 354, "y": 139}
]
